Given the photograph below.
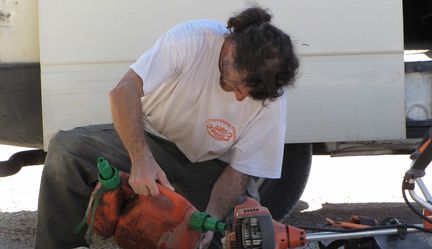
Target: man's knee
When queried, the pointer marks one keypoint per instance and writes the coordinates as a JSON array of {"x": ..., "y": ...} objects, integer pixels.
[
  {"x": 64, "y": 147},
  {"x": 68, "y": 163},
  {"x": 69, "y": 142}
]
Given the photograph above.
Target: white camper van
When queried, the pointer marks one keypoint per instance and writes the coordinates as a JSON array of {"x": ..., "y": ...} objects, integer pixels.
[{"x": 364, "y": 85}]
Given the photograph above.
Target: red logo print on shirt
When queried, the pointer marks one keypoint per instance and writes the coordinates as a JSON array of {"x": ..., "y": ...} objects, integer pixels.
[{"x": 221, "y": 130}]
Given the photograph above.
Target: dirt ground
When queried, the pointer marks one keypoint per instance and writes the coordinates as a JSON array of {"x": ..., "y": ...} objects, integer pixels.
[{"x": 17, "y": 228}]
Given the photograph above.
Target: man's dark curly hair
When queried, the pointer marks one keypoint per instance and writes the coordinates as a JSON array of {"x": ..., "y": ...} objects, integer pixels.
[{"x": 263, "y": 52}]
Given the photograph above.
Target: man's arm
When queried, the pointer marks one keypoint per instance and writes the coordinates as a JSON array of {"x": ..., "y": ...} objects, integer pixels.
[
  {"x": 127, "y": 118},
  {"x": 229, "y": 186}
]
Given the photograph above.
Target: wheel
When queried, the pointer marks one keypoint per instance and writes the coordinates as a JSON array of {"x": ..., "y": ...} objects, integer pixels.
[{"x": 281, "y": 195}]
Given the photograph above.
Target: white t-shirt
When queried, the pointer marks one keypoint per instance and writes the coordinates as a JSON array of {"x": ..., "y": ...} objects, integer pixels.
[{"x": 184, "y": 103}]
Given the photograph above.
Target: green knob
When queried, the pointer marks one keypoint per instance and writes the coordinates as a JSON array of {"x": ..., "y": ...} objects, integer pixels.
[
  {"x": 203, "y": 222},
  {"x": 108, "y": 175}
]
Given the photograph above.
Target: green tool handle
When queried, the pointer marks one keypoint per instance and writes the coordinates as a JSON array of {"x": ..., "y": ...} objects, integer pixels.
[
  {"x": 203, "y": 222},
  {"x": 109, "y": 175}
]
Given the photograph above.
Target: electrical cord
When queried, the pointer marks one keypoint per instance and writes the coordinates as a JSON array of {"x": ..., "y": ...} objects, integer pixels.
[{"x": 404, "y": 188}]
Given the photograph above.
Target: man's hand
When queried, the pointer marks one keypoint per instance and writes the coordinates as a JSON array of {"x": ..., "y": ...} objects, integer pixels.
[
  {"x": 127, "y": 117},
  {"x": 206, "y": 239},
  {"x": 144, "y": 175}
]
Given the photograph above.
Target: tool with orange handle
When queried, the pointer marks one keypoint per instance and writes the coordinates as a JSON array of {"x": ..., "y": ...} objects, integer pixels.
[
  {"x": 422, "y": 156},
  {"x": 143, "y": 222},
  {"x": 254, "y": 227}
]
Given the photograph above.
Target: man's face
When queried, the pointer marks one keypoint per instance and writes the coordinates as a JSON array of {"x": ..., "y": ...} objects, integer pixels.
[{"x": 231, "y": 80}]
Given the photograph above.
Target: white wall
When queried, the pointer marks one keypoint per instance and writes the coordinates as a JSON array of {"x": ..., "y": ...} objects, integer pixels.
[{"x": 351, "y": 79}]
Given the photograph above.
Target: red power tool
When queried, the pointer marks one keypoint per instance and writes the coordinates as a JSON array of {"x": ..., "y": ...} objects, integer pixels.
[
  {"x": 162, "y": 222},
  {"x": 253, "y": 227},
  {"x": 170, "y": 221}
]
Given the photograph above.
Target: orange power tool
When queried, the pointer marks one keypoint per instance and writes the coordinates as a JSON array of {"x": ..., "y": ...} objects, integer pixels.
[{"x": 253, "y": 227}]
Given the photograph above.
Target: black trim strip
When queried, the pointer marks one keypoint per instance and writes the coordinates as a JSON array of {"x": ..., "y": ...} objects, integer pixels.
[
  {"x": 418, "y": 66},
  {"x": 21, "y": 104}
]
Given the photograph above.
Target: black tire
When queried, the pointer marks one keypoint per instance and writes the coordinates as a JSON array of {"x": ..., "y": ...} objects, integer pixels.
[{"x": 281, "y": 195}]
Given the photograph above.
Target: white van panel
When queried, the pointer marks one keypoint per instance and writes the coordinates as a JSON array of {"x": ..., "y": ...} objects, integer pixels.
[
  {"x": 19, "y": 31},
  {"x": 96, "y": 31},
  {"x": 351, "y": 54},
  {"x": 65, "y": 105},
  {"x": 347, "y": 98}
]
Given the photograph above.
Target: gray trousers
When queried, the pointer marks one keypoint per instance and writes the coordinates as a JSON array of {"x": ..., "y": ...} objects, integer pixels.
[{"x": 70, "y": 174}]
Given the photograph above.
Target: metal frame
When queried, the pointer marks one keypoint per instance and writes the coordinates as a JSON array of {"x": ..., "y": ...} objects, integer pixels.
[{"x": 426, "y": 202}]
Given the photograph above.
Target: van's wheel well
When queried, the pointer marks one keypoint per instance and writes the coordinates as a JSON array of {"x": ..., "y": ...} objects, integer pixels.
[{"x": 281, "y": 195}]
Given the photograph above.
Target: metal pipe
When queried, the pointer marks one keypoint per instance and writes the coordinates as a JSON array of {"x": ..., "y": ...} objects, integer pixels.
[
  {"x": 420, "y": 201},
  {"x": 352, "y": 235},
  {"x": 423, "y": 189}
]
